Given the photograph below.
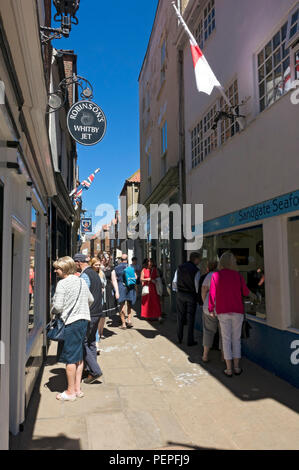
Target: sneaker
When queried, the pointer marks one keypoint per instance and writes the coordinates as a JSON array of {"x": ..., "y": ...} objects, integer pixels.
[{"x": 91, "y": 379}]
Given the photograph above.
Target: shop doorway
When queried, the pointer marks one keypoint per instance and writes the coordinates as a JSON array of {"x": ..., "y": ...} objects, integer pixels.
[
  {"x": 1, "y": 268},
  {"x": 16, "y": 400}
]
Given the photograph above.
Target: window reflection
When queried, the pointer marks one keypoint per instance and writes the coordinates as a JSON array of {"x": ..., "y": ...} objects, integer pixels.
[
  {"x": 32, "y": 269},
  {"x": 248, "y": 248}
]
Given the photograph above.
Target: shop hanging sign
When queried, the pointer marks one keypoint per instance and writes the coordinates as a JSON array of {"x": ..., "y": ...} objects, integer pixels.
[
  {"x": 86, "y": 225},
  {"x": 86, "y": 123}
]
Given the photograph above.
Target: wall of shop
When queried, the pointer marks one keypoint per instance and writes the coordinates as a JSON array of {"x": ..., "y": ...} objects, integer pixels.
[
  {"x": 272, "y": 245},
  {"x": 254, "y": 165}
]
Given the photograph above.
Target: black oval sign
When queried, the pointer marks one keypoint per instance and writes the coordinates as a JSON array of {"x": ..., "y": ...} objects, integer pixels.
[{"x": 86, "y": 123}]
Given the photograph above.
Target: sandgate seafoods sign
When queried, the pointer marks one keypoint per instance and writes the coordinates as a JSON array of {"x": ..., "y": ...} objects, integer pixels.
[
  {"x": 86, "y": 123},
  {"x": 264, "y": 210}
]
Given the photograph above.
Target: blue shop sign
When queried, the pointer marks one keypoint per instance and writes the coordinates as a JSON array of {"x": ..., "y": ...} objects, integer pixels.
[
  {"x": 86, "y": 225},
  {"x": 277, "y": 206}
]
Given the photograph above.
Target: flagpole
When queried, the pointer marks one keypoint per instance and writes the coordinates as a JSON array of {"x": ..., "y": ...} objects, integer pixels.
[{"x": 220, "y": 88}]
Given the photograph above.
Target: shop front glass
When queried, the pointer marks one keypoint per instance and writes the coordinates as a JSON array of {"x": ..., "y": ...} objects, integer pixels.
[
  {"x": 293, "y": 232},
  {"x": 248, "y": 247},
  {"x": 34, "y": 244}
]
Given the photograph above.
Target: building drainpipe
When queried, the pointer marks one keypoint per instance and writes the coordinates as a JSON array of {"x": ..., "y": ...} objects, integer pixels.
[{"x": 182, "y": 183}]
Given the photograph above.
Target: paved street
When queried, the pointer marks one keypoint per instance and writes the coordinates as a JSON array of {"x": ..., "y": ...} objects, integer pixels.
[{"x": 158, "y": 395}]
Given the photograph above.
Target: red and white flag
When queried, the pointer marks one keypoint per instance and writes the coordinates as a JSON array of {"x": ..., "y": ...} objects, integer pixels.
[{"x": 204, "y": 75}]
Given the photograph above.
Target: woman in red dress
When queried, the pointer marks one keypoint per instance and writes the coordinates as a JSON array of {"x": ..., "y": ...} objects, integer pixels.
[{"x": 150, "y": 306}]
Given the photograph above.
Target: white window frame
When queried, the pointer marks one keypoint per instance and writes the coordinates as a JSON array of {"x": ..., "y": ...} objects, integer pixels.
[
  {"x": 293, "y": 47},
  {"x": 291, "y": 40},
  {"x": 200, "y": 151}
]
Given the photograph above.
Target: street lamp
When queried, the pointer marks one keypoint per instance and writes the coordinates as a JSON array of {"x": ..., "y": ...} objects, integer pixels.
[
  {"x": 66, "y": 14},
  {"x": 58, "y": 98}
]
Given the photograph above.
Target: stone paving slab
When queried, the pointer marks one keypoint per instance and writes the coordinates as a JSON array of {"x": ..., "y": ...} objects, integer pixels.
[{"x": 156, "y": 394}]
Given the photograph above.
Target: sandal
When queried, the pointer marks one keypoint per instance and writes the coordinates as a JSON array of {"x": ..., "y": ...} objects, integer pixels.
[
  {"x": 205, "y": 360},
  {"x": 64, "y": 397},
  {"x": 228, "y": 372},
  {"x": 238, "y": 371},
  {"x": 122, "y": 327},
  {"x": 80, "y": 395}
]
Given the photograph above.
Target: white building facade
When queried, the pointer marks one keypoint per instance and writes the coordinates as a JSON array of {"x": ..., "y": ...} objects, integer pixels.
[
  {"x": 247, "y": 179},
  {"x": 27, "y": 182}
]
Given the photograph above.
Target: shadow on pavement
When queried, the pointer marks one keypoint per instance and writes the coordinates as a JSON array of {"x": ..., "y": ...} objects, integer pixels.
[
  {"x": 58, "y": 382},
  {"x": 255, "y": 383},
  {"x": 150, "y": 334},
  {"x": 179, "y": 446},
  {"x": 60, "y": 442}
]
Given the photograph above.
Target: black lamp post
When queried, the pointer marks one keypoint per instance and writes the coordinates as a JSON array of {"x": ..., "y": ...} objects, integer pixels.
[{"x": 66, "y": 14}]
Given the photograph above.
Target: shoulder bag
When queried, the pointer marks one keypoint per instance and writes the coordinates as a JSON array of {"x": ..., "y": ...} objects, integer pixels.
[
  {"x": 246, "y": 327},
  {"x": 55, "y": 329}
]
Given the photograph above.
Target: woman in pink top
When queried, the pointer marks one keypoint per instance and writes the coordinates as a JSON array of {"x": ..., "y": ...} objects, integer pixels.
[{"x": 226, "y": 300}]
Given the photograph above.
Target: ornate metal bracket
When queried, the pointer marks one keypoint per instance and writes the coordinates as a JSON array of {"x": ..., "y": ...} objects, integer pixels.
[{"x": 58, "y": 98}]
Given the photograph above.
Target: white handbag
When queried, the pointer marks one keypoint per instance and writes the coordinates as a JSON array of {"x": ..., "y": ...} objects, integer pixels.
[{"x": 145, "y": 290}]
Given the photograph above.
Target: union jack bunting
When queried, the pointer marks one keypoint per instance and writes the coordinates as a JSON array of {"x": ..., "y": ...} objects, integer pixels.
[{"x": 85, "y": 185}]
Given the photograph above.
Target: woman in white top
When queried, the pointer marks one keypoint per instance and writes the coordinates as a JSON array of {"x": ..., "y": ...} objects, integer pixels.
[
  {"x": 72, "y": 300},
  {"x": 210, "y": 323}
]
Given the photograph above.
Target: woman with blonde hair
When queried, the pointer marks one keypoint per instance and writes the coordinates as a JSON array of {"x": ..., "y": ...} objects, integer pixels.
[
  {"x": 226, "y": 302},
  {"x": 72, "y": 300}
]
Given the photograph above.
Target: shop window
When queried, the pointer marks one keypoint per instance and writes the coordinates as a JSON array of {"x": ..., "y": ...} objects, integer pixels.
[
  {"x": 293, "y": 231},
  {"x": 248, "y": 248},
  {"x": 34, "y": 248}
]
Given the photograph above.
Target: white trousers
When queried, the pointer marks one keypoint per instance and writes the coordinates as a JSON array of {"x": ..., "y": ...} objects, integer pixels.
[{"x": 231, "y": 329}]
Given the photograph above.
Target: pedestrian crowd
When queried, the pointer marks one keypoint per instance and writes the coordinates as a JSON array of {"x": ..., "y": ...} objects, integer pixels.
[
  {"x": 89, "y": 292},
  {"x": 220, "y": 291},
  {"x": 92, "y": 290}
]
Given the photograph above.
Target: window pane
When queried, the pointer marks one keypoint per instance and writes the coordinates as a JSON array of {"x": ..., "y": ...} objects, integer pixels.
[
  {"x": 262, "y": 89},
  {"x": 269, "y": 90},
  {"x": 277, "y": 58},
  {"x": 285, "y": 51},
  {"x": 262, "y": 104},
  {"x": 294, "y": 18},
  {"x": 293, "y": 30},
  {"x": 260, "y": 58},
  {"x": 268, "y": 65},
  {"x": 293, "y": 232},
  {"x": 268, "y": 49},
  {"x": 278, "y": 82},
  {"x": 297, "y": 65},
  {"x": 261, "y": 73},
  {"x": 276, "y": 40},
  {"x": 284, "y": 30}
]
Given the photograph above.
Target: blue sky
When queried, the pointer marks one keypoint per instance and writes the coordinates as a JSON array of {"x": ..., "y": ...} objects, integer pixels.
[{"x": 111, "y": 41}]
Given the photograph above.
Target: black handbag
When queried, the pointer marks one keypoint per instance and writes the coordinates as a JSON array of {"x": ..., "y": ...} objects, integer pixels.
[
  {"x": 246, "y": 327},
  {"x": 55, "y": 328}
]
